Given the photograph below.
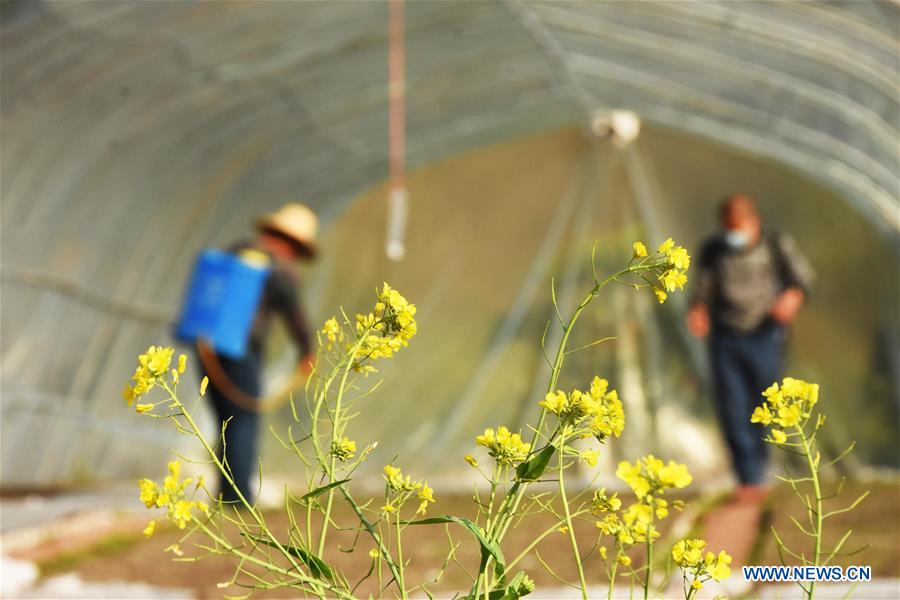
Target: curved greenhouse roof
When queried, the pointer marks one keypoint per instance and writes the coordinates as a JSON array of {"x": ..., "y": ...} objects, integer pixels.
[{"x": 135, "y": 133}]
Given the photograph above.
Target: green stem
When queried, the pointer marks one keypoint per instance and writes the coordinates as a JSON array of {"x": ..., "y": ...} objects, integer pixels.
[
  {"x": 569, "y": 524},
  {"x": 513, "y": 498},
  {"x": 335, "y": 425},
  {"x": 535, "y": 542},
  {"x": 612, "y": 578},
  {"x": 268, "y": 566},
  {"x": 401, "y": 581},
  {"x": 814, "y": 475},
  {"x": 221, "y": 466},
  {"x": 649, "y": 555},
  {"x": 490, "y": 513},
  {"x": 395, "y": 572}
]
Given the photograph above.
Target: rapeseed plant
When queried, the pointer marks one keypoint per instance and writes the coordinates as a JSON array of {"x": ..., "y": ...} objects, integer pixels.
[
  {"x": 790, "y": 409},
  {"x": 171, "y": 496},
  {"x": 588, "y": 417},
  {"x": 699, "y": 566},
  {"x": 505, "y": 447}
]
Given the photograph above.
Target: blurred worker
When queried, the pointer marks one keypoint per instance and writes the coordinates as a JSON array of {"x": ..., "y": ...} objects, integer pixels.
[
  {"x": 748, "y": 287},
  {"x": 286, "y": 237}
]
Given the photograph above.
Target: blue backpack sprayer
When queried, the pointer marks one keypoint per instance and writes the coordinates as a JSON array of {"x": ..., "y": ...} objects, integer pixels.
[
  {"x": 222, "y": 298},
  {"x": 220, "y": 304}
]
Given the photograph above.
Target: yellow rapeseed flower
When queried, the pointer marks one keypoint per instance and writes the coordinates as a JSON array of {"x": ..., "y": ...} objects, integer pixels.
[
  {"x": 602, "y": 503},
  {"x": 180, "y": 513},
  {"x": 673, "y": 280},
  {"x": 171, "y": 496},
  {"x": 721, "y": 569},
  {"x": 650, "y": 476},
  {"x": 700, "y": 565},
  {"x": 638, "y": 513},
  {"x": 394, "y": 476},
  {"x": 788, "y": 405},
  {"x": 633, "y": 476},
  {"x": 672, "y": 271},
  {"x": 333, "y": 332},
  {"x": 688, "y": 552},
  {"x": 761, "y": 414},
  {"x": 674, "y": 475},
  {"x": 789, "y": 414},
  {"x": 679, "y": 258},
  {"x": 555, "y": 402},
  {"x": 590, "y": 457},
  {"x": 150, "y": 528},
  {"x": 148, "y": 492},
  {"x": 382, "y": 332},
  {"x": 640, "y": 250},
  {"x": 505, "y": 447},
  {"x": 600, "y": 405},
  {"x": 398, "y": 482},
  {"x": 152, "y": 366},
  {"x": 425, "y": 495},
  {"x": 343, "y": 449},
  {"x": 613, "y": 526}
]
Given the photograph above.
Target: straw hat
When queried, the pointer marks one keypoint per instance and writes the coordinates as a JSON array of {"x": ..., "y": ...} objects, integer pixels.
[{"x": 296, "y": 221}]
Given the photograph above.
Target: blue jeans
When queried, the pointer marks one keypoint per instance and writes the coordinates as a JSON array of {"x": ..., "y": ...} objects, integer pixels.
[
  {"x": 744, "y": 365},
  {"x": 242, "y": 430}
]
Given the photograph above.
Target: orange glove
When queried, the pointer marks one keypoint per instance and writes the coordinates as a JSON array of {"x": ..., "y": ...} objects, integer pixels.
[{"x": 698, "y": 320}]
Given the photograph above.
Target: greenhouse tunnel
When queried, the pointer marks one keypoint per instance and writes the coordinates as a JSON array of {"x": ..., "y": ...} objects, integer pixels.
[{"x": 135, "y": 134}]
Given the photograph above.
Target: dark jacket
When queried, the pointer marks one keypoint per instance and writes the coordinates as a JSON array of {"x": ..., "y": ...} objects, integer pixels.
[{"x": 739, "y": 286}]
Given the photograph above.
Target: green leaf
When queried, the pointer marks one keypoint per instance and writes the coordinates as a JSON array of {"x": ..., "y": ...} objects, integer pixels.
[
  {"x": 510, "y": 592},
  {"x": 534, "y": 467},
  {"x": 516, "y": 589},
  {"x": 488, "y": 548},
  {"x": 321, "y": 490},
  {"x": 494, "y": 595},
  {"x": 318, "y": 568}
]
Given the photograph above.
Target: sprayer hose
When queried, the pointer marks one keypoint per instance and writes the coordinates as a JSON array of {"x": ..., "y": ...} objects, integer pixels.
[{"x": 223, "y": 383}]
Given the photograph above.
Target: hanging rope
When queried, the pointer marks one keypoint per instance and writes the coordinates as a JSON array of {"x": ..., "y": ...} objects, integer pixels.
[{"x": 397, "y": 199}]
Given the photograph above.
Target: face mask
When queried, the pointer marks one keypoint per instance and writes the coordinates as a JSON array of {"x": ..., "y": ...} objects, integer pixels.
[{"x": 736, "y": 239}]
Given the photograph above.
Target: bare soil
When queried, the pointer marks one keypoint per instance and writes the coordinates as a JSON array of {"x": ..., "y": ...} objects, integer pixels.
[{"x": 131, "y": 557}]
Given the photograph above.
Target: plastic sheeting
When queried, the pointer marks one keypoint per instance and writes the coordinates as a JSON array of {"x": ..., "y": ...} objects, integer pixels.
[{"x": 135, "y": 134}]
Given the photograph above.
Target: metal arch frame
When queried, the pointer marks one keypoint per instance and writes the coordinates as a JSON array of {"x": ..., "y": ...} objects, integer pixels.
[{"x": 865, "y": 192}]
